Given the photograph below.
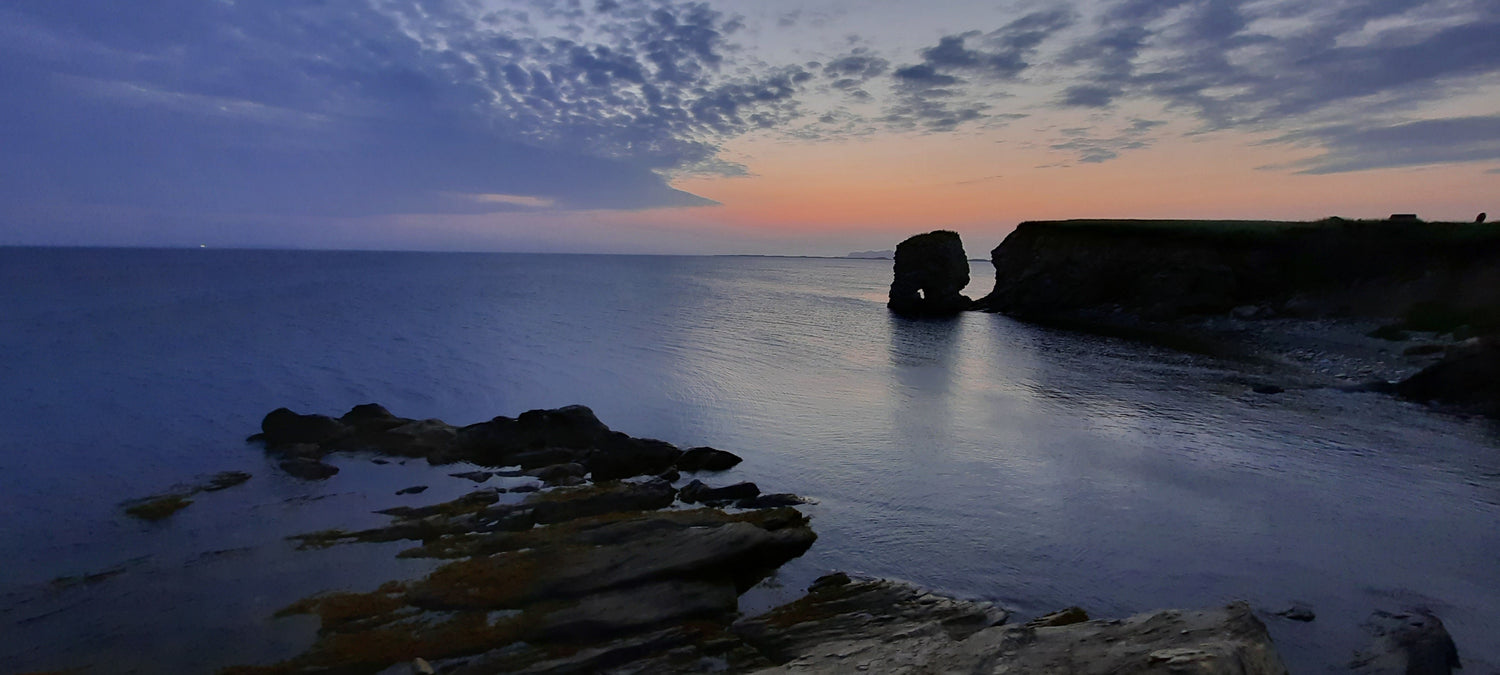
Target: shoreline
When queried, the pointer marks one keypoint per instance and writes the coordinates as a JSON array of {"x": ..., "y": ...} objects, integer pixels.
[{"x": 629, "y": 572}]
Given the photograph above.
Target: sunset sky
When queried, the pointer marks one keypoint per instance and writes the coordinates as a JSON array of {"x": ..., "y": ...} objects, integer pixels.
[{"x": 808, "y": 127}]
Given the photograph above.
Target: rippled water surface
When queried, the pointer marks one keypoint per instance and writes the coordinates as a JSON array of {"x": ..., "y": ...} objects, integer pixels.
[{"x": 979, "y": 456}]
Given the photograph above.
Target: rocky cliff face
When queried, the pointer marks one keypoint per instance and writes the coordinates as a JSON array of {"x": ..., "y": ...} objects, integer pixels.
[
  {"x": 1169, "y": 269},
  {"x": 931, "y": 270}
]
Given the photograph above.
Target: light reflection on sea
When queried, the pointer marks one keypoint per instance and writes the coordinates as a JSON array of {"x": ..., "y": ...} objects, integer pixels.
[{"x": 980, "y": 456}]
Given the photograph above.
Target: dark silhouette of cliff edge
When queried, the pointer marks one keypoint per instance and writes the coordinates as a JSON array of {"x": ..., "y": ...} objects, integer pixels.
[{"x": 1164, "y": 269}]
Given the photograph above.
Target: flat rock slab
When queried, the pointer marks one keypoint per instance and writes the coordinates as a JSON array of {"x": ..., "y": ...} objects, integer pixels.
[{"x": 891, "y": 627}]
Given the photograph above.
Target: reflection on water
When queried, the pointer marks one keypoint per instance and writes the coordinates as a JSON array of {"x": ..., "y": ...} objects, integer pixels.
[{"x": 978, "y": 455}]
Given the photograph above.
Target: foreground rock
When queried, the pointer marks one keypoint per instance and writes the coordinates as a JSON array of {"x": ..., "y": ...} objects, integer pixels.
[
  {"x": 1407, "y": 643},
  {"x": 888, "y": 627},
  {"x": 588, "y": 562},
  {"x": 622, "y": 576},
  {"x": 536, "y": 439},
  {"x": 931, "y": 271},
  {"x": 1469, "y": 377}
]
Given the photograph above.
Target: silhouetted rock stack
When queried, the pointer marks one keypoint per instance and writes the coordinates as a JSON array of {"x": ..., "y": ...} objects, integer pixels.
[{"x": 931, "y": 270}]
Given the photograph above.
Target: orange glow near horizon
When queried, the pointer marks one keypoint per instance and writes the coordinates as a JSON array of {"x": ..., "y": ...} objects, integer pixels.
[{"x": 985, "y": 183}]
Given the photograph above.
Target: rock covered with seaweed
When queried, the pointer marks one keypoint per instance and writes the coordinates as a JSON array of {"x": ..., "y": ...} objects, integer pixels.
[{"x": 610, "y": 567}]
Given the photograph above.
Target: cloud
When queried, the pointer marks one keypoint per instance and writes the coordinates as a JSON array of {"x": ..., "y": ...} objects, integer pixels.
[
  {"x": 347, "y": 108},
  {"x": 1372, "y": 65},
  {"x": 1090, "y": 148},
  {"x": 950, "y": 85},
  {"x": 1089, "y": 96},
  {"x": 1000, "y": 54},
  {"x": 854, "y": 69},
  {"x": 1435, "y": 141}
]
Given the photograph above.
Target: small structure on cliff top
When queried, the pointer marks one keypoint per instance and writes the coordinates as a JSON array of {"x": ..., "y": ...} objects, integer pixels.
[{"x": 931, "y": 269}]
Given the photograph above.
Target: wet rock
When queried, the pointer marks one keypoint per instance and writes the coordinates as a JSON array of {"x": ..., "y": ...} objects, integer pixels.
[
  {"x": 770, "y": 501},
  {"x": 624, "y": 457},
  {"x": 563, "y": 505},
  {"x": 224, "y": 481},
  {"x": 670, "y": 651},
  {"x": 1468, "y": 376},
  {"x": 930, "y": 271},
  {"x": 1062, "y": 617},
  {"x": 1298, "y": 612},
  {"x": 476, "y": 476},
  {"x": 422, "y": 438},
  {"x": 1423, "y": 350},
  {"x": 738, "y": 552},
  {"x": 1373, "y": 386},
  {"x": 838, "y": 613},
  {"x": 1407, "y": 643},
  {"x": 537, "y": 459},
  {"x": 525, "y": 488},
  {"x": 558, "y": 473},
  {"x": 696, "y": 491},
  {"x": 282, "y": 427},
  {"x": 497, "y": 441},
  {"x": 307, "y": 468},
  {"x": 1267, "y": 389},
  {"x": 632, "y": 608},
  {"x": 163, "y": 505},
  {"x": 706, "y": 459},
  {"x": 413, "y": 490},
  {"x": 573, "y": 426},
  {"x": 1392, "y": 333},
  {"x": 371, "y": 417},
  {"x": 157, "y": 508},
  {"x": 895, "y": 628},
  {"x": 829, "y": 581},
  {"x": 469, "y": 503}
]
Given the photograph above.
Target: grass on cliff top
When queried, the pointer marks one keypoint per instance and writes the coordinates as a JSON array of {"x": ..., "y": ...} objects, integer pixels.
[{"x": 1415, "y": 230}]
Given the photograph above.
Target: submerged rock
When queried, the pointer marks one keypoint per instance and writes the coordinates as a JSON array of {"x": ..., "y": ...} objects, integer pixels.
[
  {"x": 157, "y": 508},
  {"x": 1298, "y": 612},
  {"x": 1407, "y": 643},
  {"x": 931, "y": 270}
]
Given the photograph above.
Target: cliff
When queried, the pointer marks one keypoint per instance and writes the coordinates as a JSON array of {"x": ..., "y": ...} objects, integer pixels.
[{"x": 1446, "y": 273}]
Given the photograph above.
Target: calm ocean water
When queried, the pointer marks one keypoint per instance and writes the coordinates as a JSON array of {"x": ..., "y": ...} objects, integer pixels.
[{"x": 981, "y": 456}]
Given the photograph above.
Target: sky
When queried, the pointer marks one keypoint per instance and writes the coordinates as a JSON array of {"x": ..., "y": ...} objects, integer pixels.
[{"x": 816, "y": 127}]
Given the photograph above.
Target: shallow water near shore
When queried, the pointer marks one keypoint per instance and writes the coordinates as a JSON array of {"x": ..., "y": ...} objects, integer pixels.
[{"x": 980, "y": 456}]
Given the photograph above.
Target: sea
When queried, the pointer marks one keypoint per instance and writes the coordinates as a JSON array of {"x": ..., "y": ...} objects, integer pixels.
[{"x": 977, "y": 456}]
